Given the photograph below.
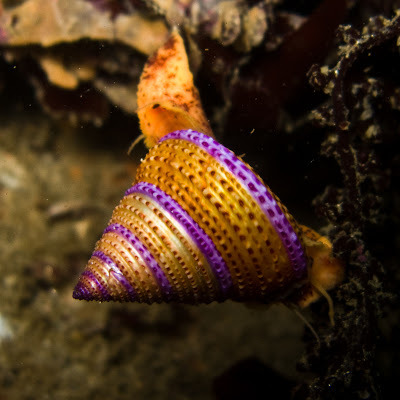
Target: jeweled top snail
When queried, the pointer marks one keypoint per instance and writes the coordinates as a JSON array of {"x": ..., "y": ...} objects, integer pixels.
[{"x": 199, "y": 225}]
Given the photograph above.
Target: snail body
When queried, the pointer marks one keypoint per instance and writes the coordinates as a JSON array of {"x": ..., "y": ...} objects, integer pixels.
[{"x": 199, "y": 225}]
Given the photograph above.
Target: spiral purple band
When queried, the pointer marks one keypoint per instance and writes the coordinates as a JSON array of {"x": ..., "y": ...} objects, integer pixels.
[
  {"x": 116, "y": 273},
  {"x": 103, "y": 290},
  {"x": 82, "y": 292},
  {"x": 146, "y": 256},
  {"x": 257, "y": 189},
  {"x": 193, "y": 230}
]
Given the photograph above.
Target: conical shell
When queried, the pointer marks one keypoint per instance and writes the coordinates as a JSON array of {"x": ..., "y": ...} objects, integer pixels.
[{"x": 197, "y": 226}]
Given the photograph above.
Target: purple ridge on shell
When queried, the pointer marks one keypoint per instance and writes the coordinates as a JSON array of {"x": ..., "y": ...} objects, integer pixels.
[
  {"x": 256, "y": 188},
  {"x": 193, "y": 230},
  {"x": 81, "y": 292},
  {"x": 116, "y": 273},
  {"x": 113, "y": 269},
  {"x": 146, "y": 256},
  {"x": 94, "y": 280}
]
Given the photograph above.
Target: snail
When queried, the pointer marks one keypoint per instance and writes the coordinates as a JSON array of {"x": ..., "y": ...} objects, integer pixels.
[{"x": 199, "y": 225}]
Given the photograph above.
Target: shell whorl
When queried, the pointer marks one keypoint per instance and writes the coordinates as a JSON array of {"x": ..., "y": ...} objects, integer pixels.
[{"x": 197, "y": 226}]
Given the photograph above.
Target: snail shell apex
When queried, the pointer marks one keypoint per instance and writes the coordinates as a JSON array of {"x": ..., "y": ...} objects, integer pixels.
[{"x": 197, "y": 226}]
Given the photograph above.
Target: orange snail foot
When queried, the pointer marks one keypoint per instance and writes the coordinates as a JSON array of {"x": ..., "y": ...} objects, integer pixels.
[
  {"x": 167, "y": 98},
  {"x": 163, "y": 117},
  {"x": 325, "y": 272}
]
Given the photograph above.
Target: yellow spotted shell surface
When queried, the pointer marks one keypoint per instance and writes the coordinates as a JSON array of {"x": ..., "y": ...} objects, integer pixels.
[{"x": 197, "y": 226}]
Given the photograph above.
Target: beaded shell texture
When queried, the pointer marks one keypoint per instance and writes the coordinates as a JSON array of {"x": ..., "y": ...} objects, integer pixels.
[{"x": 197, "y": 226}]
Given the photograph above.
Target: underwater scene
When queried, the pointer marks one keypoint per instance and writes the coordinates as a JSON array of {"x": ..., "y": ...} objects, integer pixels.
[{"x": 199, "y": 199}]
